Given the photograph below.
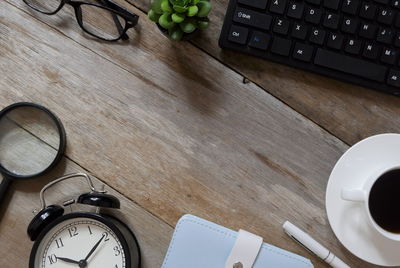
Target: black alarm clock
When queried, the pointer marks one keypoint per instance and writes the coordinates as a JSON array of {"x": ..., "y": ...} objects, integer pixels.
[{"x": 82, "y": 239}]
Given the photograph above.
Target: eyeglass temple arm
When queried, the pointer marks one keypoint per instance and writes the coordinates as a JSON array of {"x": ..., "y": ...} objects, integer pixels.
[
  {"x": 115, "y": 18},
  {"x": 130, "y": 15}
]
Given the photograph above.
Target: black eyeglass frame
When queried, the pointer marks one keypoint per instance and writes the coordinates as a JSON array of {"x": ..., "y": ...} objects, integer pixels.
[{"x": 131, "y": 19}]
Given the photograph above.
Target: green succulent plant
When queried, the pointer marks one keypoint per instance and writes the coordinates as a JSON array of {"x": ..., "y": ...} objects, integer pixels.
[{"x": 180, "y": 17}]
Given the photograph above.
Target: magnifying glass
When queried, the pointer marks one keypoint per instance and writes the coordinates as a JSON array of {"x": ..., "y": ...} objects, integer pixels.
[{"x": 32, "y": 142}]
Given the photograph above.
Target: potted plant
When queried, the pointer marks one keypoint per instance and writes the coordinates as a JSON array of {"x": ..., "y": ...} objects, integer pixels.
[{"x": 179, "y": 19}]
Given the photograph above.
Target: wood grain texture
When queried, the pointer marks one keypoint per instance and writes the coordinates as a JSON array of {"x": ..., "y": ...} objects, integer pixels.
[
  {"x": 349, "y": 112},
  {"x": 173, "y": 129}
]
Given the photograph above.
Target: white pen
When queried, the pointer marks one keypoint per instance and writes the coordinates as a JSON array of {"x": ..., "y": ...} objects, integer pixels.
[{"x": 309, "y": 243}]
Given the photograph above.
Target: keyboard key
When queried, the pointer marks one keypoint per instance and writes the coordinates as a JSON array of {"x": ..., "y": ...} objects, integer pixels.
[
  {"x": 395, "y": 3},
  {"x": 371, "y": 51},
  {"x": 350, "y": 6},
  {"x": 335, "y": 41},
  {"x": 350, "y": 25},
  {"x": 281, "y": 26},
  {"x": 382, "y": 1},
  {"x": 350, "y": 65},
  {"x": 299, "y": 31},
  {"x": 385, "y": 15},
  {"x": 394, "y": 78},
  {"x": 368, "y": 30},
  {"x": 385, "y": 35},
  {"x": 331, "y": 20},
  {"x": 367, "y": 11},
  {"x": 313, "y": 15},
  {"x": 389, "y": 56},
  {"x": 303, "y": 52},
  {"x": 353, "y": 46},
  {"x": 259, "y": 40},
  {"x": 397, "y": 40},
  {"x": 252, "y": 18},
  {"x": 295, "y": 10},
  {"x": 261, "y": 4},
  {"x": 281, "y": 46},
  {"x": 332, "y": 4},
  {"x": 238, "y": 34},
  {"x": 315, "y": 2},
  {"x": 278, "y": 6},
  {"x": 317, "y": 36},
  {"x": 397, "y": 21}
]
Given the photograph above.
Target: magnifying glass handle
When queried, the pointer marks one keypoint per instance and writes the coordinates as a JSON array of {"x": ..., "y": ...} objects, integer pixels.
[{"x": 5, "y": 184}]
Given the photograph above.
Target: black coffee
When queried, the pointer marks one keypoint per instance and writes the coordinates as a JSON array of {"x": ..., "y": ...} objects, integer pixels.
[{"x": 384, "y": 201}]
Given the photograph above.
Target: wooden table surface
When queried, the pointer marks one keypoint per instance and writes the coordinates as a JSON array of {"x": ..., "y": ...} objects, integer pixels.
[{"x": 171, "y": 129}]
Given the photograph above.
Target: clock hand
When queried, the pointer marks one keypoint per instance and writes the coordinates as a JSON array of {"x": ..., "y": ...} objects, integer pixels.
[
  {"x": 67, "y": 260},
  {"x": 94, "y": 248}
]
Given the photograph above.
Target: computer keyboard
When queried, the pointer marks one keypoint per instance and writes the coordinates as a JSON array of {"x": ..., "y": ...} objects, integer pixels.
[{"x": 350, "y": 40}]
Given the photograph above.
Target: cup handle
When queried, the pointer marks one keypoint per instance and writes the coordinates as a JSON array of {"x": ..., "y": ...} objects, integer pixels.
[{"x": 356, "y": 195}]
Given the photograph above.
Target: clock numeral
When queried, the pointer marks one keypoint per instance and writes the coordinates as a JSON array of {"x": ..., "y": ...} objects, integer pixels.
[
  {"x": 117, "y": 251},
  {"x": 52, "y": 258},
  {"x": 105, "y": 234},
  {"x": 59, "y": 243},
  {"x": 73, "y": 231},
  {"x": 90, "y": 230}
]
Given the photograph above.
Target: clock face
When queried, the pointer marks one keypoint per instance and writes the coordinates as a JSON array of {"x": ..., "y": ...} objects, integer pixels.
[{"x": 81, "y": 243}]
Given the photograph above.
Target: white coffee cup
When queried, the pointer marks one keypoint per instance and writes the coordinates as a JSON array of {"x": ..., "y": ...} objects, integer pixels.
[{"x": 362, "y": 195}]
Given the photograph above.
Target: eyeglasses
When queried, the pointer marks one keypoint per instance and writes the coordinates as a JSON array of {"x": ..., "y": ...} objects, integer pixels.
[{"x": 107, "y": 21}]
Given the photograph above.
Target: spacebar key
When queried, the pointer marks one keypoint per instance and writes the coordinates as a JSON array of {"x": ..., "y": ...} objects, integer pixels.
[{"x": 350, "y": 65}]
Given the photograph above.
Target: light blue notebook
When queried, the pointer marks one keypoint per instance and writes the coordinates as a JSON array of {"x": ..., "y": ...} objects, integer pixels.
[{"x": 198, "y": 243}]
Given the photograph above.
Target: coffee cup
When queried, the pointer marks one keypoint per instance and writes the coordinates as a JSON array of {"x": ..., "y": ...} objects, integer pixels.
[{"x": 381, "y": 197}]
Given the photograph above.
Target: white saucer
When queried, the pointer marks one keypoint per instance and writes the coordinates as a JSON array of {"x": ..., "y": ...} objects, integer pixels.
[{"x": 348, "y": 219}]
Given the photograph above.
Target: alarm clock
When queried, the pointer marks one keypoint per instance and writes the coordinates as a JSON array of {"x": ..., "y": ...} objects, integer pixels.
[{"x": 82, "y": 239}]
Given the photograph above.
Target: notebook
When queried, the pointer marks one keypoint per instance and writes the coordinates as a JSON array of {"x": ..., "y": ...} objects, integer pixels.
[{"x": 198, "y": 243}]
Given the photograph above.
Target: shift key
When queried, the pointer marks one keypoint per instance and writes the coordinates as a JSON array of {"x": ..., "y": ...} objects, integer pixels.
[{"x": 252, "y": 18}]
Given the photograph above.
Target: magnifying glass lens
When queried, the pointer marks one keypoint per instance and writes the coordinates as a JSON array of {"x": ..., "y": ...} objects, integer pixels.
[{"x": 29, "y": 141}]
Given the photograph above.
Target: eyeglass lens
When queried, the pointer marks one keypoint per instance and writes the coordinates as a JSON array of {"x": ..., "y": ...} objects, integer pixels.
[
  {"x": 95, "y": 19},
  {"x": 102, "y": 22}
]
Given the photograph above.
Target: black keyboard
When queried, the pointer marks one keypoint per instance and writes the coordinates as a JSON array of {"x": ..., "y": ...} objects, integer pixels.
[{"x": 350, "y": 40}]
